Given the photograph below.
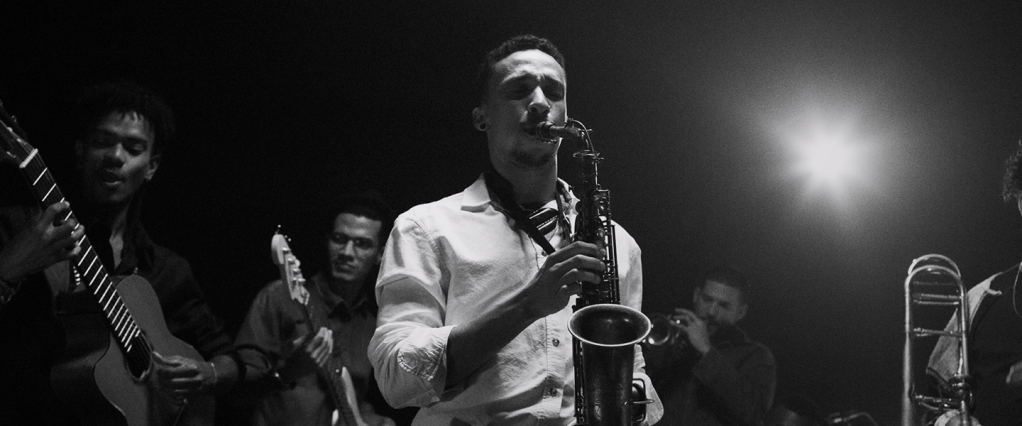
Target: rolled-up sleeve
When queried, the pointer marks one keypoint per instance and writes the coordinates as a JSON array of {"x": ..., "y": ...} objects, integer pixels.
[{"x": 408, "y": 349}]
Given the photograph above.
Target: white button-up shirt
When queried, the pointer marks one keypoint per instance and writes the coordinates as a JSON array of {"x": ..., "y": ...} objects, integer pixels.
[{"x": 445, "y": 264}]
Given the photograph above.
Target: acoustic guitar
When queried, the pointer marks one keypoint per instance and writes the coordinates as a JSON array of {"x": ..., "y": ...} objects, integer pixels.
[
  {"x": 337, "y": 378},
  {"x": 106, "y": 373}
]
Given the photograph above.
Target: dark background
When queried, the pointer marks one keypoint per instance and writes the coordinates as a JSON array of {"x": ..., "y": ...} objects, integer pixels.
[{"x": 282, "y": 108}]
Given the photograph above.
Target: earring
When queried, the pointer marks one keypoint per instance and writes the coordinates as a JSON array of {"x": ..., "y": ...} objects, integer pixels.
[{"x": 481, "y": 127}]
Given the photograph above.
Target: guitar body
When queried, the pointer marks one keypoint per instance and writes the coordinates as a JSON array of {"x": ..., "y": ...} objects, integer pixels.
[
  {"x": 105, "y": 323},
  {"x": 93, "y": 377}
]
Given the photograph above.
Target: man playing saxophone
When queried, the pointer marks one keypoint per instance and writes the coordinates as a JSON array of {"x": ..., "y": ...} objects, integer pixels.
[
  {"x": 712, "y": 373},
  {"x": 473, "y": 312}
]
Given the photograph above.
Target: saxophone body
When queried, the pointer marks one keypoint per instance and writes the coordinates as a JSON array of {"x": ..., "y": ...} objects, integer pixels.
[{"x": 605, "y": 331}]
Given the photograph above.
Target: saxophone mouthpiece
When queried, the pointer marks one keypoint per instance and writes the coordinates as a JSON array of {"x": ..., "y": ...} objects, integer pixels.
[{"x": 548, "y": 130}]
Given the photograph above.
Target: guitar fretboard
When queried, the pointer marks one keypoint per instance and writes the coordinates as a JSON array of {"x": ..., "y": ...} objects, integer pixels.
[{"x": 87, "y": 262}]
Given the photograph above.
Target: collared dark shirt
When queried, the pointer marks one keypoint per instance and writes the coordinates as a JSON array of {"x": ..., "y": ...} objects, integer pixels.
[
  {"x": 273, "y": 322},
  {"x": 733, "y": 384},
  {"x": 185, "y": 309},
  {"x": 32, "y": 339}
]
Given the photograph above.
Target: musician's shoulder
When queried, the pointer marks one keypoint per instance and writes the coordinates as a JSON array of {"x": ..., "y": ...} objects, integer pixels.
[
  {"x": 167, "y": 254},
  {"x": 275, "y": 295},
  {"x": 166, "y": 259},
  {"x": 429, "y": 215},
  {"x": 16, "y": 214},
  {"x": 620, "y": 232},
  {"x": 275, "y": 287}
]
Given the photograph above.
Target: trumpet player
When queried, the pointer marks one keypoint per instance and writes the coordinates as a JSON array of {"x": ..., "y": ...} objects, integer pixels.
[{"x": 707, "y": 371}]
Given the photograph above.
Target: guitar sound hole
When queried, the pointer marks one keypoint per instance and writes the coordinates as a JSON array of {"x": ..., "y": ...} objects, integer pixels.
[{"x": 138, "y": 358}]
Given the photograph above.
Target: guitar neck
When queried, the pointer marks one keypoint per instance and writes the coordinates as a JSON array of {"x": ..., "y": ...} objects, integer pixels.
[
  {"x": 345, "y": 402},
  {"x": 336, "y": 377},
  {"x": 87, "y": 262}
]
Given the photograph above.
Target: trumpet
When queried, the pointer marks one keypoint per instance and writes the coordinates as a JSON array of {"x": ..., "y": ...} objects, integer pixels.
[{"x": 664, "y": 330}]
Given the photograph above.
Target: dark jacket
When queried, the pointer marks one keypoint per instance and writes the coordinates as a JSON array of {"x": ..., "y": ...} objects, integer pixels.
[{"x": 732, "y": 385}]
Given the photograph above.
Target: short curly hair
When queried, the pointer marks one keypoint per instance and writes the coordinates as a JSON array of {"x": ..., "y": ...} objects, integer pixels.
[
  {"x": 729, "y": 276},
  {"x": 368, "y": 204},
  {"x": 97, "y": 102},
  {"x": 1011, "y": 187},
  {"x": 512, "y": 45}
]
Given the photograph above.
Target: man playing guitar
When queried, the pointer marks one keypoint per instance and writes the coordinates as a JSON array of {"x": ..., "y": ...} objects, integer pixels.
[
  {"x": 294, "y": 346},
  {"x": 122, "y": 131}
]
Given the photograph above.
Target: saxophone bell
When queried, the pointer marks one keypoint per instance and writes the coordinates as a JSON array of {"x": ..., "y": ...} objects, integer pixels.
[
  {"x": 608, "y": 334},
  {"x": 609, "y": 325}
]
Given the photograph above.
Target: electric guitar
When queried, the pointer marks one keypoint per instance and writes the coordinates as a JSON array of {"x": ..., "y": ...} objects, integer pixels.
[
  {"x": 338, "y": 379},
  {"x": 106, "y": 373}
]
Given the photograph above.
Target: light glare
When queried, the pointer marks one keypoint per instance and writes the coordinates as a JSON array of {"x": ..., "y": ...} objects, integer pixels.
[{"x": 829, "y": 160}]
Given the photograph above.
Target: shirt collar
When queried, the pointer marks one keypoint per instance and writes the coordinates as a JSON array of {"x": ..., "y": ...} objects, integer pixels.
[
  {"x": 137, "y": 254},
  {"x": 477, "y": 196},
  {"x": 337, "y": 306}
]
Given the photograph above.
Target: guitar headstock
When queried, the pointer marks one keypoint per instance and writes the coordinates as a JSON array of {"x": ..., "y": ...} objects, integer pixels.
[
  {"x": 13, "y": 146},
  {"x": 288, "y": 264}
]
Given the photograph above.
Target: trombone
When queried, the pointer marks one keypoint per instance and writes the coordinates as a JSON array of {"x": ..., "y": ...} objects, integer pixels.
[{"x": 935, "y": 280}]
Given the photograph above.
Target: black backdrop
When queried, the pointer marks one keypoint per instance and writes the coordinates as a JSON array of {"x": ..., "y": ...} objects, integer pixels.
[{"x": 284, "y": 106}]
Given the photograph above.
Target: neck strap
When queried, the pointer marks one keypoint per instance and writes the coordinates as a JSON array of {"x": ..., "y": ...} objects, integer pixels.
[{"x": 502, "y": 189}]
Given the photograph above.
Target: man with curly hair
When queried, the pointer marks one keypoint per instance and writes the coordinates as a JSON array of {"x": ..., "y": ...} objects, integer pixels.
[
  {"x": 121, "y": 131},
  {"x": 995, "y": 334}
]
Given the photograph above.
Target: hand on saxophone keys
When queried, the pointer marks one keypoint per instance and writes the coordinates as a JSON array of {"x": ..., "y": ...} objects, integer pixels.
[{"x": 561, "y": 276}]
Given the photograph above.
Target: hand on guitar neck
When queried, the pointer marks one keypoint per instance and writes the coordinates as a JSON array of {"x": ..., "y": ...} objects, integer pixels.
[
  {"x": 307, "y": 354},
  {"x": 48, "y": 240}
]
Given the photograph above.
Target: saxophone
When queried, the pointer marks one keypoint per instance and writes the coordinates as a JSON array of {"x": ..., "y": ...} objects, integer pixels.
[{"x": 605, "y": 331}]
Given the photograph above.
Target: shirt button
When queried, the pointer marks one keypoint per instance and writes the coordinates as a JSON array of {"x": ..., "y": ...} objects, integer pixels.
[{"x": 556, "y": 342}]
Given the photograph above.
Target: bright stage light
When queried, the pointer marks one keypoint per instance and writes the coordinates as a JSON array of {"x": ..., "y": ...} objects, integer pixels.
[{"x": 829, "y": 159}]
